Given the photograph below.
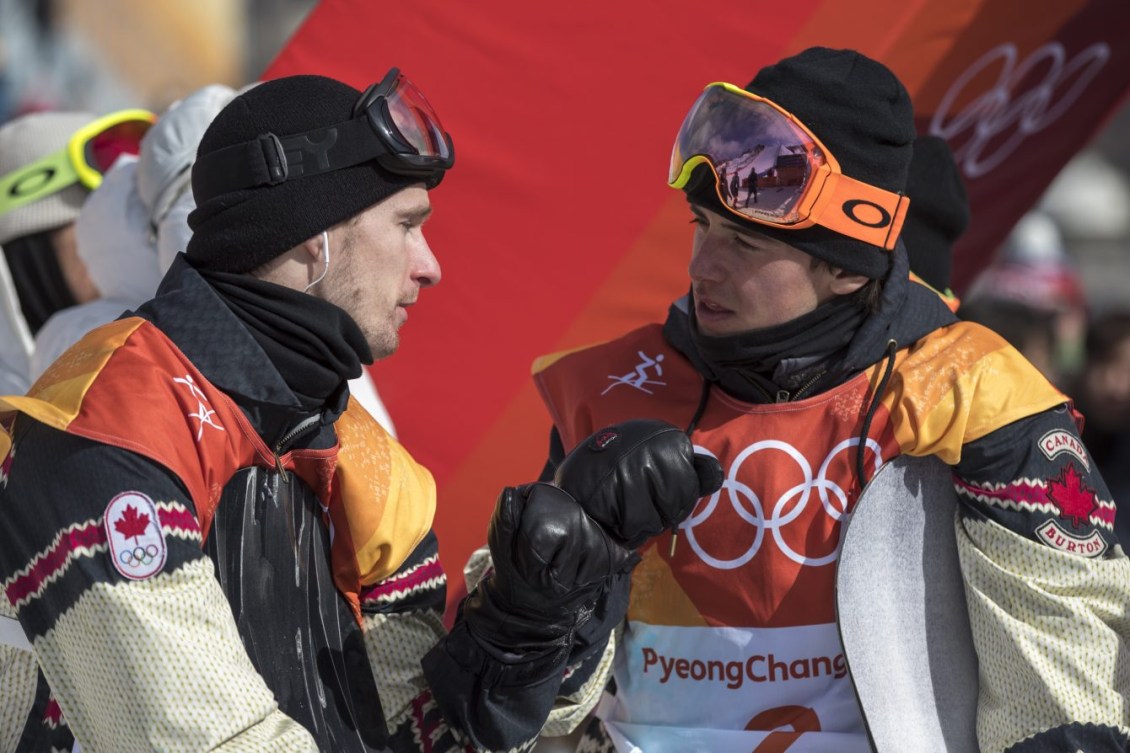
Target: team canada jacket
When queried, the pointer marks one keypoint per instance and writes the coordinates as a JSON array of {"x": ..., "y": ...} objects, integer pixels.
[
  {"x": 732, "y": 642},
  {"x": 199, "y": 564}
]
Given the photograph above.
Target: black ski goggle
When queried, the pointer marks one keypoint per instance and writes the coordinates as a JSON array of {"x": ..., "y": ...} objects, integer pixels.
[{"x": 392, "y": 124}]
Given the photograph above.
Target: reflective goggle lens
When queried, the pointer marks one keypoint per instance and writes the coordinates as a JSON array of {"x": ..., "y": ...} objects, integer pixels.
[
  {"x": 769, "y": 168},
  {"x": 103, "y": 149},
  {"x": 95, "y": 146},
  {"x": 762, "y": 160},
  {"x": 416, "y": 121},
  {"x": 408, "y": 127}
]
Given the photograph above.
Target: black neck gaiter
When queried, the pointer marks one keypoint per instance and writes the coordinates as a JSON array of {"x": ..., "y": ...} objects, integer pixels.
[
  {"x": 751, "y": 365},
  {"x": 314, "y": 345}
]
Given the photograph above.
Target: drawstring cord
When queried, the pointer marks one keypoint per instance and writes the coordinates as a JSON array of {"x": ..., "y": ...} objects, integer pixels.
[
  {"x": 892, "y": 346},
  {"x": 704, "y": 396},
  {"x": 698, "y": 411}
]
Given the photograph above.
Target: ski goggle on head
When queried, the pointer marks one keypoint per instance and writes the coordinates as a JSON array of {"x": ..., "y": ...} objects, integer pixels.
[
  {"x": 392, "y": 123},
  {"x": 769, "y": 168},
  {"x": 90, "y": 152}
]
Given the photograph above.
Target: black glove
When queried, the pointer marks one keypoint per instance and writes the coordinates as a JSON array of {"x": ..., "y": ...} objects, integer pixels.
[
  {"x": 638, "y": 478},
  {"x": 551, "y": 561},
  {"x": 497, "y": 674}
]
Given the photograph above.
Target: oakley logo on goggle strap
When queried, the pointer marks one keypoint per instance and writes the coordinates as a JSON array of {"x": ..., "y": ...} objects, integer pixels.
[
  {"x": 31, "y": 183},
  {"x": 35, "y": 181},
  {"x": 851, "y": 209}
]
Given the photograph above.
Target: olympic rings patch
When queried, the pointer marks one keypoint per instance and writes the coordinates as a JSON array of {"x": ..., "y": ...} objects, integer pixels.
[
  {"x": 139, "y": 555},
  {"x": 766, "y": 518},
  {"x": 133, "y": 530}
]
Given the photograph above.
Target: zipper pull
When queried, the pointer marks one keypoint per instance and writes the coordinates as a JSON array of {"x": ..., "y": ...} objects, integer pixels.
[
  {"x": 279, "y": 467},
  {"x": 782, "y": 396},
  {"x": 674, "y": 541}
]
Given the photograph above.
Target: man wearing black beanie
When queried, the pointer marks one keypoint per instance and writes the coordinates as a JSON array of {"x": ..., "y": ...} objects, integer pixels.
[
  {"x": 806, "y": 360},
  {"x": 209, "y": 545}
]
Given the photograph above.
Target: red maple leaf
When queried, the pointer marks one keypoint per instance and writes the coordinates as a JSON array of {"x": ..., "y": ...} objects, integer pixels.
[
  {"x": 1071, "y": 496},
  {"x": 131, "y": 524}
]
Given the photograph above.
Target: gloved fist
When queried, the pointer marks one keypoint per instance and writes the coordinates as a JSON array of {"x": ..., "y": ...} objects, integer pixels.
[
  {"x": 638, "y": 478},
  {"x": 551, "y": 563},
  {"x": 547, "y": 551},
  {"x": 497, "y": 674}
]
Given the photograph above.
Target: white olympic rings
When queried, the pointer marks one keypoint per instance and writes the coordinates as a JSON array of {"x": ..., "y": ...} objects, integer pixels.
[
  {"x": 990, "y": 114},
  {"x": 740, "y": 493}
]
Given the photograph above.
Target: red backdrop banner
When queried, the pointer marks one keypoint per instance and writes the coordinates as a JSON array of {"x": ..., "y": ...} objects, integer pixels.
[{"x": 556, "y": 227}]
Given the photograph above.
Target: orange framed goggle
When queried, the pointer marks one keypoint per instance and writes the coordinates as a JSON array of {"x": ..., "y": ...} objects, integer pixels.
[{"x": 771, "y": 169}]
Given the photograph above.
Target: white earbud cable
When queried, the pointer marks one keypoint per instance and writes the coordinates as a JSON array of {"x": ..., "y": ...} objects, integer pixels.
[{"x": 326, "y": 249}]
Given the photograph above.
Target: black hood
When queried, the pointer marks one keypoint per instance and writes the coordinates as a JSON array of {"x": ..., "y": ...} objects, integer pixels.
[{"x": 907, "y": 312}]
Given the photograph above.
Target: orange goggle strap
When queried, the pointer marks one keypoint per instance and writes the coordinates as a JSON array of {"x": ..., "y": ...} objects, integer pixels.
[
  {"x": 830, "y": 199},
  {"x": 856, "y": 209}
]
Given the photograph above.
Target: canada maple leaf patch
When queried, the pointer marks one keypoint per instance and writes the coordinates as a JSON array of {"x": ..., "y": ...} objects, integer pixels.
[
  {"x": 133, "y": 532},
  {"x": 1073, "y": 498},
  {"x": 132, "y": 524}
]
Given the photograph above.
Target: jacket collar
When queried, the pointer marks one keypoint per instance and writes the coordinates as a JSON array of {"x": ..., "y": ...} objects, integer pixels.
[{"x": 190, "y": 312}]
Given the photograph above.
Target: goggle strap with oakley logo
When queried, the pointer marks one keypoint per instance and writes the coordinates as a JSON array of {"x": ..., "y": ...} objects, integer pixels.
[
  {"x": 270, "y": 159},
  {"x": 89, "y": 152},
  {"x": 860, "y": 210},
  {"x": 30, "y": 183}
]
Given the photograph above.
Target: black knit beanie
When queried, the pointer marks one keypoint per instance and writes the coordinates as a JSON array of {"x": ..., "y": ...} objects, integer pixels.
[
  {"x": 240, "y": 230},
  {"x": 863, "y": 114},
  {"x": 938, "y": 212}
]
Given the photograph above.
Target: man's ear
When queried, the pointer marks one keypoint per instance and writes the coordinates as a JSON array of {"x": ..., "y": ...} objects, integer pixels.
[
  {"x": 313, "y": 247},
  {"x": 844, "y": 282}
]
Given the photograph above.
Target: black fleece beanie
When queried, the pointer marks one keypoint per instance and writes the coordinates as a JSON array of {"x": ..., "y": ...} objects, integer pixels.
[
  {"x": 237, "y": 231},
  {"x": 863, "y": 115},
  {"x": 938, "y": 213}
]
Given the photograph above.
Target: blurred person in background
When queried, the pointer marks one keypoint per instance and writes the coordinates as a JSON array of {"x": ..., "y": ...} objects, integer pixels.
[
  {"x": 1102, "y": 394},
  {"x": 133, "y": 225},
  {"x": 1033, "y": 296},
  {"x": 49, "y": 163},
  {"x": 1029, "y": 329},
  {"x": 113, "y": 239},
  {"x": 937, "y": 216}
]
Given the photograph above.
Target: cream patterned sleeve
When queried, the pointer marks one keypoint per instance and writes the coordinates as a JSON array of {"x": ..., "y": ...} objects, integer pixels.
[
  {"x": 137, "y": 646},
  {"x": 126, "y": 658},
  {"x": 1052, "y": 634},
  {"x": 18, "y": 675}
]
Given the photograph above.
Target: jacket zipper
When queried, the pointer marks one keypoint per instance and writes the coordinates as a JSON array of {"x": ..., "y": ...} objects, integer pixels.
[
  {"x": 303, "y": 427},
  {"x": 783, "y": 396}
]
